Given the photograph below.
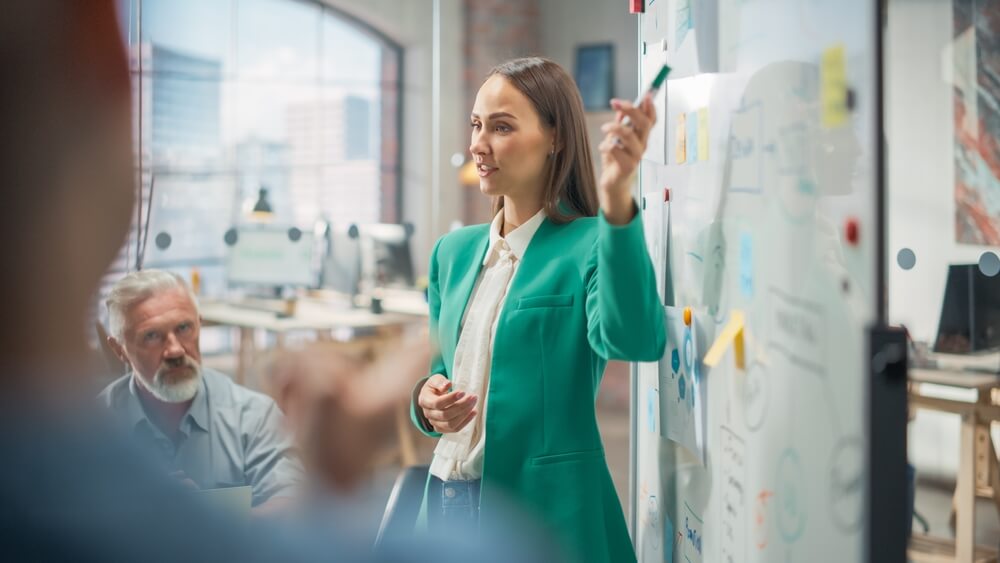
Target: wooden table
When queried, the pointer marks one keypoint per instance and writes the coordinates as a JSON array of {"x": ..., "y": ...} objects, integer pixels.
[
  {"x": 321, "y": 318},
  {"x": 978, "y": 473}
]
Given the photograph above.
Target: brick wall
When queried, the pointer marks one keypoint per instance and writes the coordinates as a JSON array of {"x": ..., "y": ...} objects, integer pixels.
[{"x": 495, "y": 31}]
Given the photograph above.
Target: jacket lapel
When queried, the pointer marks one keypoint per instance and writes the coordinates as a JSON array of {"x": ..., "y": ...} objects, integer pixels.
[
  {"x": 470, "y": 264},
  {"x": 468, "y": 268},
  {"x": 535, "y": 257}
]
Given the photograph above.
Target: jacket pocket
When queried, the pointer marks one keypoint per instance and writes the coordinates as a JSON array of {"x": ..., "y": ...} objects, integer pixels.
[
  {"x": 565, "y": 300},
  {"x": 567, "y": 457}
]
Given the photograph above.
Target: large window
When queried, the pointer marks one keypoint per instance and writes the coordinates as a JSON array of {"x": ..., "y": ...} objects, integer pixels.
[{"x": 235, "y": 96}]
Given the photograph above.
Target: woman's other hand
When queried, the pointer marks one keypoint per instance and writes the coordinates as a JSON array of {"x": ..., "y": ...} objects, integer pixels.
[
  {"x": 341, "y": 408},
  {"x": 621, "y": 151},
  {"x": 446, "y": 410}
]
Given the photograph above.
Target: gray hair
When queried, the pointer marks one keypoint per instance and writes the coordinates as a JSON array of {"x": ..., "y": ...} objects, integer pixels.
[{"x": 137, "y": 287}]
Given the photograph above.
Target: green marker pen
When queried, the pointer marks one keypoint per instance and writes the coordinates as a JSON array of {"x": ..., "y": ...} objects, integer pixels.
[{"x": 661, "y": 77}]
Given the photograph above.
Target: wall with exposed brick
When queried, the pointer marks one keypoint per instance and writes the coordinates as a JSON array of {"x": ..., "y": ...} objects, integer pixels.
[{"x": 497, "y": 30}]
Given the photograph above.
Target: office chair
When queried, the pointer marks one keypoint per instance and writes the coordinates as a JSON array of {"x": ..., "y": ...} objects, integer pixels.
[{"x": 404, "y": 504}]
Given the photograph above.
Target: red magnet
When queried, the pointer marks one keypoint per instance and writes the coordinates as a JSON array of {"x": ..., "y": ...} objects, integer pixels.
[
  {"x": 666, "y": 194},
  {"x": 851, "y": 231},
  {"x": 636, "y": 6}
]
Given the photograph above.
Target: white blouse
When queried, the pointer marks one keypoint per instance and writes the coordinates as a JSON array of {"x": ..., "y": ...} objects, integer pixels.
[{"x": 459, "y": 455}]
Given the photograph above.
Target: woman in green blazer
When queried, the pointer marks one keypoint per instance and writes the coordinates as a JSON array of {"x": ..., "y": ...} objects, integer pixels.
[{"x": 552, "y": 306}]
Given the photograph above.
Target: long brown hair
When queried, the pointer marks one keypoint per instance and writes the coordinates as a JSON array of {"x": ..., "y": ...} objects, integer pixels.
[{"x": 571, "y": 189}]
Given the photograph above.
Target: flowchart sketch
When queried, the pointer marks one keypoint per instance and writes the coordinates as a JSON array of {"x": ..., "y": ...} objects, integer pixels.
[
  {"x": 682, "y": 391},
  {"x": 746, "y": 169}
]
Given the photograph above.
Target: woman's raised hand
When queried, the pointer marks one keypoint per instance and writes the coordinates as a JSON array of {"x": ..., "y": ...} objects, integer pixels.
[{"x": 621, "y": 151}]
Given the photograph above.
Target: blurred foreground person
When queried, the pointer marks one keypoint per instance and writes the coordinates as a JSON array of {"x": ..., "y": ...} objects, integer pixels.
[{"x": 71, "y": 487}]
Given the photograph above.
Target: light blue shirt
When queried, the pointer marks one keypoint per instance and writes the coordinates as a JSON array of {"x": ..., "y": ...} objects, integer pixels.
[{"x": 231, "y": 436}]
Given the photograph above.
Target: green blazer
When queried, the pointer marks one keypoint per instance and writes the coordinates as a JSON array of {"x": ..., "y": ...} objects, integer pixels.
[{"x": 584, "y": 293}]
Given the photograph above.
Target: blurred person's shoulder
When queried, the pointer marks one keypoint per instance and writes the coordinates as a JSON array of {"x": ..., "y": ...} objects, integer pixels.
[{"x": 75, "y": 488}]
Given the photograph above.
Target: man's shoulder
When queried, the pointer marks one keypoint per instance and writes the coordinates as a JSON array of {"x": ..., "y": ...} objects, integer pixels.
[
  {"x": 225, "y": 392},
  {"x": 114, "y": 393}
]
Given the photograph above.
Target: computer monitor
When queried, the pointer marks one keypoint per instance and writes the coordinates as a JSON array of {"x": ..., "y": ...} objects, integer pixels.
[
  {"x": 268, "y": 255},
  {"x": 386, "y": 261},
  {"x": 342, "y": 262},
  {"x": 970, "y": 312}
]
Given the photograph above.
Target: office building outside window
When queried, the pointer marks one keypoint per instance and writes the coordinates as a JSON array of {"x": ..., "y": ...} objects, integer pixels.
[{"x": 231, "y": 96}]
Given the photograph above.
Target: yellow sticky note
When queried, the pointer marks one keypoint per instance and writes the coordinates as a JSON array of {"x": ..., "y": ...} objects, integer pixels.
[
  {"x": 833, "y": 87},
  {"x": 703, "y": 134},
  {"x": 680, "y": 149},
  {"x": 732, "y": 333}
]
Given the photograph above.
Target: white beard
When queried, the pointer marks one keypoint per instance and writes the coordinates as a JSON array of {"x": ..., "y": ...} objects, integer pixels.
[{"x": 174, "y": 391}]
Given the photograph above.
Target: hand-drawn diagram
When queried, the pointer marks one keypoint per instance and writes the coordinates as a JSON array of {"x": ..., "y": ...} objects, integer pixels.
[
  {"x": 692, "y": 545},
  {"x": 847, "y": 483},
  {"x": 681, "y": 388},
  {"x": 762, "y": 519},
  {"x": 732, "y": 514},
  {"x": 790, "y": 496},
  {"x": 745, "y": 156},
  {"x": 755, "y": 396}
]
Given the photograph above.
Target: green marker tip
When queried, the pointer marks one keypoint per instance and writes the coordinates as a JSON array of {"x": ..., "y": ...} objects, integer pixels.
[{"x": 661, "y": 76}]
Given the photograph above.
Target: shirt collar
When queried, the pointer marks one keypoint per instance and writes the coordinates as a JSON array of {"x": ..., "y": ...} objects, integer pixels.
[
  {"x": 518, "y": 239},
  {"x": 133, "y": 409},
  {"x": 197, "y": 415}
]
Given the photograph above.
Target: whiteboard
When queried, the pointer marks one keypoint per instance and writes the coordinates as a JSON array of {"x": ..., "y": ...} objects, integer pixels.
[{"x": 768, "y": 152}]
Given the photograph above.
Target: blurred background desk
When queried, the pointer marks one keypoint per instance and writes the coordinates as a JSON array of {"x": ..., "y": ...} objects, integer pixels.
[
  {"x": 367, "y": 334},
  {"x": 978, "y": 473},
  {"x": 310, "y": 315}
]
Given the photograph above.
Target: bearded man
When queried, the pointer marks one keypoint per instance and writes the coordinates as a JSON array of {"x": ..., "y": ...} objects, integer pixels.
[{"x": 207, "y": 430}]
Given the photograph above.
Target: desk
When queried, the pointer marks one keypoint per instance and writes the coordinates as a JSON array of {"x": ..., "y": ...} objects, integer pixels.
[
  {"x": 978, "y": 472},
  {"x": 321, "y": 318},
  {"x": 310, "y": 315}
]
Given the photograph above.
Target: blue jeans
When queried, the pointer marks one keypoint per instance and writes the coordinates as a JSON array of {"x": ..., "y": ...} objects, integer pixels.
[{"x": 453, "y": 505}]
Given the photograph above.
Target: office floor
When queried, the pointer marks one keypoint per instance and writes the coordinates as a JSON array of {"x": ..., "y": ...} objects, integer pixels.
[{"x": 934, "y": 502}]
